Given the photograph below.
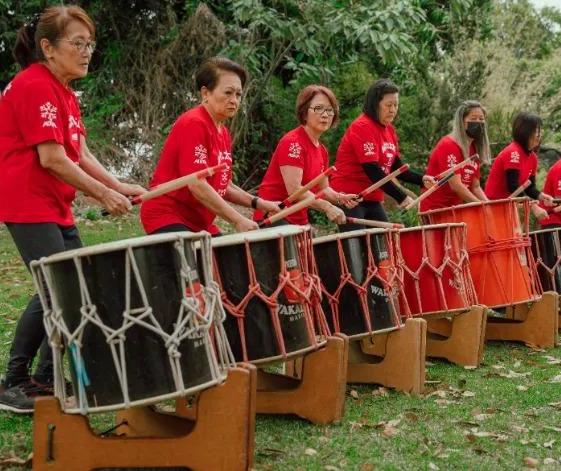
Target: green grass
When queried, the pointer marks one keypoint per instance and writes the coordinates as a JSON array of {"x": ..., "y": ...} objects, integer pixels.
[{"x": 490, "y": 418}]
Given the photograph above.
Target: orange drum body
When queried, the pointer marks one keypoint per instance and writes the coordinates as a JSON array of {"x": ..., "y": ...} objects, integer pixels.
[
  {"x": 498, "y": 244},
  {"x": 435, "y": 269}
]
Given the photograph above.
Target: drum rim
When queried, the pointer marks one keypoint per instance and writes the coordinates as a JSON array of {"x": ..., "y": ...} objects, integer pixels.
[
  {"x": 441, "y": 225},
  {"x": 470, "y": 205},
  {"x": 346, "y": 235},
  {"x": 260, "y": 235},
  {"x": 118, "y": 245},
  {"x": 541, "y": 231}
]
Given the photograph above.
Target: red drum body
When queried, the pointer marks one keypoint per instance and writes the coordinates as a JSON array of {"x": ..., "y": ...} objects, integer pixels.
[
  {"x": 359, "y": 281},
  {"x": 498, "y": 244},
  {"x": 435, "y": 269},
  {"x": 268, "y": 293}
]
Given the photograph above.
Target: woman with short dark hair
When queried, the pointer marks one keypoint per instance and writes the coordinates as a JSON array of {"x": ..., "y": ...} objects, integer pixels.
[
  {"x": 44, "y": 159},
  {"x": 369, "y": 151},
  {"x": 518, "y": 162},
  {"x": 200, "y": 139},
  {"x": 300, "y": 157}
]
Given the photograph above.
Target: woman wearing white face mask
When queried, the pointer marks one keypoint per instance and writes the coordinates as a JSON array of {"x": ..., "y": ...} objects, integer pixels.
[
  {"x": 518, "y": 162},
  {"x": 468, "y": 137}
]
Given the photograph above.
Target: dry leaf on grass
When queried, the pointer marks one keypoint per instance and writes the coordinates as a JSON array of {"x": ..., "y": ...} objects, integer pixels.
[
  {"x": 381, "y": 391},
  {"x": 531, "y": 462},
  {"x": 552, "y": 360},
  {"x": 549, "y": 444},
  {"x": 13, "y": 460},
  {"x": 555, "y": 429},
  {"x": 310, "y": 452},
  {"x": 555, "y": 379},
  {"x": 354, "y": 394},
  {"x": 367, "y": 467},
  {"x": 331, "y": 468},
  {"x": 522, "y": 388}
]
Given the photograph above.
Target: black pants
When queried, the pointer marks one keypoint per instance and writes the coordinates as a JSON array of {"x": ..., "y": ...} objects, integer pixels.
[
  {"x": 177, "y": 228},
  {"x": 34, "y": 241},
  {"x": 364, "y": 210}
]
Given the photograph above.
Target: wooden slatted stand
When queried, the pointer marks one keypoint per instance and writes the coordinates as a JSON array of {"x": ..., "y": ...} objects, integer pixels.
[
  {"x": 312, "y": 387},
  {"x": 395, "y": 359},
  {"x": 221, "y": 437},
  {"x": 535, "y": 324}
]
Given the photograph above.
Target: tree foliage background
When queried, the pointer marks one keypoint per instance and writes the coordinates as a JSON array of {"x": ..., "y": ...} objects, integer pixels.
[{"x": 504, "y": 53}]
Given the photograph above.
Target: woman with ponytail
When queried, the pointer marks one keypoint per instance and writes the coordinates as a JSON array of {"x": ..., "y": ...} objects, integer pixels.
[{"x": 44, "y": 159}]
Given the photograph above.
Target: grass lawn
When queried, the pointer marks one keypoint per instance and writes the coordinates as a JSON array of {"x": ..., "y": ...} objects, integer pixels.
[{"x": 504, "y": 415}]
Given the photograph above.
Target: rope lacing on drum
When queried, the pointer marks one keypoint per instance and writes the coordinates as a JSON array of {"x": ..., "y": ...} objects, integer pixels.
[
  {"x": 190, "y": 321},
  {"x": 372, "y": 272},
  {"x": 255, "y": 291},
  {"x": 459, "y": 270},
  {"x": 553, "y": 269}
]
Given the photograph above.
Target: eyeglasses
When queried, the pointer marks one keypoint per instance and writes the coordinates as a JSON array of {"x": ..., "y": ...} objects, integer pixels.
[
  {"x": 322, "y": 109},
  {"x": 82, "y": 46}
]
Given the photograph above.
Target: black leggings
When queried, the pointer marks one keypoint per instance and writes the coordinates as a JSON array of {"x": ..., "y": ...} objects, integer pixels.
[
  {"x": 35, "y": 240},
  {"x": 364, "y": 210}
]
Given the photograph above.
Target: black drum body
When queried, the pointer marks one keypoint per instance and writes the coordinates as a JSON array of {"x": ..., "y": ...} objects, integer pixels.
[
  {"x": 119, "y": 310},
  {"x": 359, "y": 282},
  {"x": 267, "y": 319},
  {"x": 546, "y": 248}
]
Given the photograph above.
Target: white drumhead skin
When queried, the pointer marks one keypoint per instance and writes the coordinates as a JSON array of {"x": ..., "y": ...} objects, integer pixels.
[
  {"x": 123, "y": 245},
  {"x": 433, "y": 226},
  {"x": 259, "y": 235}
]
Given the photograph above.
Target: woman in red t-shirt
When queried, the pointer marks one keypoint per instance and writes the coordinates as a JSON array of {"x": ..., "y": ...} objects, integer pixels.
[
  {"x": 200, "y": 139},
  {"x": 44, "y": 159},
  {"x": 369, "y": 151},
  {"x": 517, "y": 163},
  {"x": 300, "y": 157},
  {"x": 552, "y": 188},
  {"x": 468, "y": 137}
]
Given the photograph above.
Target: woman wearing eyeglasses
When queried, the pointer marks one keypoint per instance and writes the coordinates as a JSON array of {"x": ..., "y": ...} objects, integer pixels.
[
  {"x": 517, "y": 163},
  {"x": 44, "y": 159},
  {"x": 369, "y": 151},
  {"x": 300, "y": 157}
]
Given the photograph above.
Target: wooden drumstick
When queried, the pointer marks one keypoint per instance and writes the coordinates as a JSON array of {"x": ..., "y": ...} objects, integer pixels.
[
  {"x": 520, "y": 189},
  {"x": 431, "y": 190},
  {"x": 372, "y": 223},
  {"x": 383, "y": 181},
  {"x": 175, "y": 184},
  {"x": 307, "y": 187},
  {"x": 290, "y": 210},
  {"x": 457, "y": 167}
]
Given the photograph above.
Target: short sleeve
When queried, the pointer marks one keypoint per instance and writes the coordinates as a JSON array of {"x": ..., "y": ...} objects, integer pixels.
[
  {"x": 192, "y": 140},
  {"x": 364, "y": 145},
  {"x": 291, "y": 152},
  {"x": 512, "y": 160},
  {"x": 39, "y": 114}
]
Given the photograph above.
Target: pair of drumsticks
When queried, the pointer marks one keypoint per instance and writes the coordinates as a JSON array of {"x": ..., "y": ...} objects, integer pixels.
[{"x": 181, "y": 182}]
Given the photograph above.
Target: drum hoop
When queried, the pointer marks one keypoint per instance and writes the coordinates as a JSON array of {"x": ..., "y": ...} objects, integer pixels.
[
  {"x": 271, "y": 233},
  {"x": 472, "y": 205},
  {"x": 343, "y": 235},
  {"x": 433, "y": 226},
  {"x": 544, "y": 231},
  {"x": 115, "y": 246}
]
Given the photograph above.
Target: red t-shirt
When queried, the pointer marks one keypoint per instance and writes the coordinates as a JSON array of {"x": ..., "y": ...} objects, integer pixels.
[
  {"x": 295, "y": 149},
  {"x": 364, "y": 141},
  {"x": 194, "y": 143},
  {"x": 36, "y": 107},
  {"x": 445, "y": 155},
  {"x": 552, "y": 187},
  {"x": 512, "y": 157}
]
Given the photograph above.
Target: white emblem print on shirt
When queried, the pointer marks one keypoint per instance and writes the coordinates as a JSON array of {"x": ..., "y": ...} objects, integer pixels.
[
  {"x": 368, "y": 148},
  {"x": 294, "y": 150},
  {"x": 48, "y": 113},
  {"x": 201, "y": 154}
]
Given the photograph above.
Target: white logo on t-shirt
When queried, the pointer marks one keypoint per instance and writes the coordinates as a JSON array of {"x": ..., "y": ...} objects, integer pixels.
[
  {"x": 515, "y": 157},
  {"x": 368, "y": 148},
  {"x": 48, "y": 113},
  {"x": 451, "y": 160},
  {"x": 224, "y": 156},
  {"x": 73, "y": 122},
  {"x": 388, "y": 146},
  {"x": 201, "y": 154},
  {"x": 294, "y": 150}
]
